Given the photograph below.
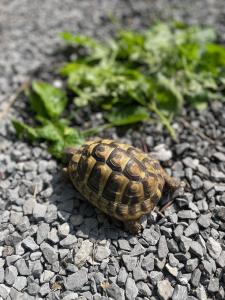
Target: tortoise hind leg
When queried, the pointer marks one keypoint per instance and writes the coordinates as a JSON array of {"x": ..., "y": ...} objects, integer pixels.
[{"x": 133, "y": 226}]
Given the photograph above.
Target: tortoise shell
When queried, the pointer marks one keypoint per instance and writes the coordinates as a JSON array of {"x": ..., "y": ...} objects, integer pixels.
[{"x": 120, "y": 180}]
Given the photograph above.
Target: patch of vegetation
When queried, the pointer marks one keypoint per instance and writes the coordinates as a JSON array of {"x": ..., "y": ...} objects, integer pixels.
[{"x": 131, "y": 78}]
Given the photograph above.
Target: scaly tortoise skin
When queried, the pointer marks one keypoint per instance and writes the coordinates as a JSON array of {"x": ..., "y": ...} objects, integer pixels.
[{"x": 120, "y": 180}]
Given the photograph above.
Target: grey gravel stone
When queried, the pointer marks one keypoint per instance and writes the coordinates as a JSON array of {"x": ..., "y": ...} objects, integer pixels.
[
  {"x": 39, "y": 211},
  {"x": 115, "y": 292},
  {"x": 49, "y": 252},
  {"x": 20, "y": 283},
  {"x": 172, "y": 270},
  {"x": 221, "y": 213},
  {"x": 172, "y": 246},
  {"x": 213, "y": 247},
  {"x": 42, "y": 232},
  {"x": 187, "y": 214},
  {"x": 185, "y": 243},
  {"x": 24, "y": 225},
  {"x": 33, "y": 288},
  {"x": 30, "y": 244},
  {"x": 2, "y": 275},
  {"x": 76, "y": 281},
  {"x": 195, "y": 277},
  {"x": 139, "y": 274},
  {"x": 129, "y": 262},
  {"x": 131, "y": 289},
  {"x": 35, "y": 255},
  {"x": 11, "y": 259},
  {"x": 155, "y": 277},
  {"x": 180, "y": 292},
  {"x": 45, "y": 289},
  {"x": 196, "y": 249},
  {"x": 192, "y": 229},
  {"x": 221, "y": 259},
  {"x": 196, "y": 182},
  {"x": 124, "y": 244},
  {"x": 162, "y": 247},
  {"x": 172, "y": 260},
  {"x": 219, "y": 156},
  {"x": 122, "y": 276},
  {"x": 204, "y": 220},
  {"x": 137, "y": 250},
  {"x": 46, "y": 276},
  {"x": 10, "y": 275},
  {"x": 37, "y": 269},
  {"x": 148, "y": 262},
  {"x": 22, "y": 267},
  {"x": 68, "y": 241},
  {"x": 63, "y": 229},
  {"x": 4, "y": 291},
  {"x": 151, "y": 236},
  {"x": 83, "y": 253},
  {"x": 191, "y": 265},
  {"x": 53, "y": 236},
  {"x": 143, "y": 289},
  {"x": 165, "y": 290},
  {"x": 213, "y": 286}
]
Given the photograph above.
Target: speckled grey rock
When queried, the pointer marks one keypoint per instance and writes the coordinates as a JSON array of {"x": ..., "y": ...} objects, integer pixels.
[
  {"x": 192, "y": 229},
  {"x": 115, "y": 292},
  {"x": 76, "y": 281},
  {"x": 129, "y": 262},
  {"x": 4, "y": 291},
  {"x": 196, "y": 249},
  {"x": 22, "y": 267},
  {"x": 20, "y": 283},
  {"x": 162, "y": 247},
  {"x": 143, "y": 289},
  {"x": 139, "y": 274},
  {"x": 30, "y": 244},
  {"x": 131, "y": 289},
  {"x": 213, "y": 286},
  {"x": 39, "y": 211},
  {"x": 101, "y": 252},
  {"x": 180, "y": 292},
  {"x": 42, "y": 232},
  {"x": 49, "y": 252},
  {"x": 10, "y": 275},
  {"x": 151, "y": 236},
  {"x": 122, "y": 276},
  {"x": 83, "y": 253},
  {"x": 195, "y": 277},
  {"x": 148, "y": 262},
  {"x": 165, "y": 290},
  {"x": 213, "y": 247}
]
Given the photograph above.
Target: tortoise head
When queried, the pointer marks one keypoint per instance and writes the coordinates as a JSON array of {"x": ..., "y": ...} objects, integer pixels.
[{"x": 68, "y": 154}]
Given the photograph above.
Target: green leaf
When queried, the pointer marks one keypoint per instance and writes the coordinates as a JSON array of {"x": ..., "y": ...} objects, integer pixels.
[
  {"x": 23, "y": 130},
  {"x": 81, "y": 40},
  {"x": 168, "y": 94},
  {"x": 120, "y": 116},
  {"x": 47, "y": 100}
]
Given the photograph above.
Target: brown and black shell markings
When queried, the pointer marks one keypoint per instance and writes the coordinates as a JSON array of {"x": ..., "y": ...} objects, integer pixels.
[{"x": 120, "y": 180}]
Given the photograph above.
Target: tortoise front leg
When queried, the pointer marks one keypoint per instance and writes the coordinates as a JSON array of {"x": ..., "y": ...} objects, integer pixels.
[{"x": 171, "y": 183}]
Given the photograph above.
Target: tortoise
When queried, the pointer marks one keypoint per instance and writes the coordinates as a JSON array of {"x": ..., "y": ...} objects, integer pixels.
[{"x": 120, "y": 180}]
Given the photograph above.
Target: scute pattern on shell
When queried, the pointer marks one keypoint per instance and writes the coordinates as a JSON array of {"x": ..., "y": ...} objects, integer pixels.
[{"x": 120, "y": 180}]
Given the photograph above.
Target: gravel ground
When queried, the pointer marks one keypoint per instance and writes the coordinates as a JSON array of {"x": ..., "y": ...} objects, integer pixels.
[{"x": 53, "y": 245}]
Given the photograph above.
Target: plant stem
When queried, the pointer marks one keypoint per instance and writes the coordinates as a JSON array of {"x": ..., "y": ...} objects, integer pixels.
[{"x": 164, "y": 120}]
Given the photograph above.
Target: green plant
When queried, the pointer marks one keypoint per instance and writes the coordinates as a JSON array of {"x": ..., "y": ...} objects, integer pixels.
[{"x": 134, "y": 77}]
